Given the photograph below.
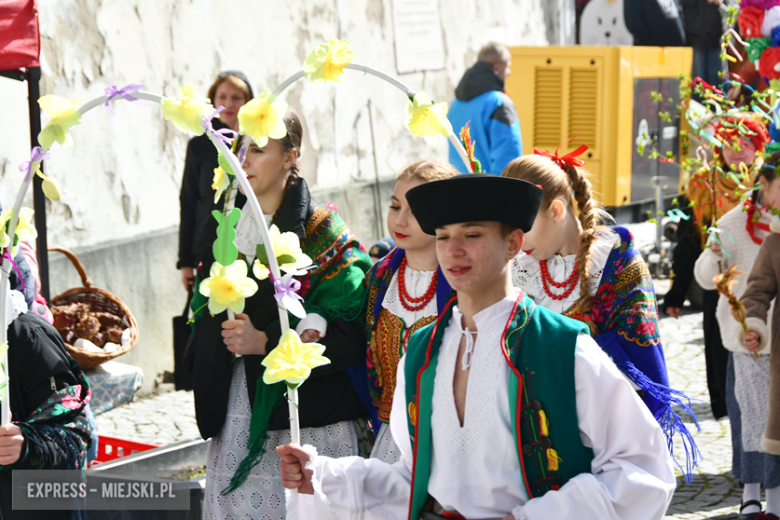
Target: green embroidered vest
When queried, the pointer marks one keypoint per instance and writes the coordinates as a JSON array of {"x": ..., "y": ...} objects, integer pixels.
[{"x": 539, "y": 346}]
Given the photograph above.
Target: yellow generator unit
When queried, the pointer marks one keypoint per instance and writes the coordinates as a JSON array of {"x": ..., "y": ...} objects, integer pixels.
[{"x": 603, "y": 96}]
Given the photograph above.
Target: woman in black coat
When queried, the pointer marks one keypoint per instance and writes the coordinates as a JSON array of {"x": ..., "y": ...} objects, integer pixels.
[
  {"x": 245, "y": 417},
  {"x": 48, "y": 394},
  {"x": 230, "y": 90}
]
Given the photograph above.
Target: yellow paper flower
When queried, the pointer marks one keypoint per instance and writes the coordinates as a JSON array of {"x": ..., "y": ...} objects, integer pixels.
[
  {"x": 326, "y": 63},
  {"x": 220, "y": 183},
  {"x": 64, "y": 115},
  {"x": 292, "y": 360},
  {"x": 289, "y": 255},
  {"x": 427, "y": 119},
  {"x": 187, "y": 114},
  {"x": 287, "y": 248},
  {"x": 227, "y": 287},
  {"x": 24, "y": 228},
  {"x": 261, "y": 118},
  {"x": 260, "y": 270}
]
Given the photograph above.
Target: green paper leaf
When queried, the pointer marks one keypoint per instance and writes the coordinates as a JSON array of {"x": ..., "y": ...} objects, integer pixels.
[
  {"x": 224, "y": 164},
  {"x": 262, "y": 256},
  {"x": 225, "y": 251},
  {"x": 285, "y": 259}
]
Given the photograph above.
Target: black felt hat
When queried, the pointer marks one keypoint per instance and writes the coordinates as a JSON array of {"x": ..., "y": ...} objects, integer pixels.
[{"x": 474, "y": 197}]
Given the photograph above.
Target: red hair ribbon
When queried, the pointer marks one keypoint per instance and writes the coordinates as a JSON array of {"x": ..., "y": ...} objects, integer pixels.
[{"x": 569, "y": 158}]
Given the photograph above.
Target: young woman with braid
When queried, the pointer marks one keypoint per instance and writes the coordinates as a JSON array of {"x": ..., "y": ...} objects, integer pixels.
[
  {"x": 574, "y": 266},
  {"x": 406, "y": 291},
  {"x": 244, "y": 417}
]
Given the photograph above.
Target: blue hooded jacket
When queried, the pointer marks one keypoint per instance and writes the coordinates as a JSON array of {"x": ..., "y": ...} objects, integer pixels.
[{"x": 495, "y": 128}]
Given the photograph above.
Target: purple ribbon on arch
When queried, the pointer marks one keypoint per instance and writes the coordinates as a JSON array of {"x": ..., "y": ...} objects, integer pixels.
[
  {"x": 36, "y": 156},
  {"x": 125, "y": 92},
  {"x": 226, "y": 135},
  {"x": 286, "y": 288}
]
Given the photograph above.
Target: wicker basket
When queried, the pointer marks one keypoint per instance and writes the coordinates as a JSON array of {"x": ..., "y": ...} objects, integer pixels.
[{"x": 98, "y": 301}]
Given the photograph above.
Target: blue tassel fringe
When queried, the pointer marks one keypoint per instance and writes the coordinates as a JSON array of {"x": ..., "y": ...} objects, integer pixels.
[{"x": 670, "y": 422}]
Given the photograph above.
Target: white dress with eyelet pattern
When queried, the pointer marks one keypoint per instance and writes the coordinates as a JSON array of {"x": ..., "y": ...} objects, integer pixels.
[{"x": 261, "y": 497}]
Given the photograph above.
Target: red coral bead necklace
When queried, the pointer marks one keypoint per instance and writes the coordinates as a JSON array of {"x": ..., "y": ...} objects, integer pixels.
[
  {"x": 415, "y": 304},
  {"x": 570, "y": 283}
]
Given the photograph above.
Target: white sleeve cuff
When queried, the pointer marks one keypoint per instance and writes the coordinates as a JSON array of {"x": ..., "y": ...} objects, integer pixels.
[
  {"x": 518, "y": 513},
  {"x": 312, "y": 321},
  {"x": 758, "y": 326},
  {"x": 318, "y": 505},
  {"x": 706, "y": 268}
]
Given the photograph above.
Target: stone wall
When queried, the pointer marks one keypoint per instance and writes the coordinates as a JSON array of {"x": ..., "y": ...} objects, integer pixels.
[{"x": 121, "y": 179}]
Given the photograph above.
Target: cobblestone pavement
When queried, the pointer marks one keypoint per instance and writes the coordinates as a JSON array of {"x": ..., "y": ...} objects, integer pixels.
[
  {"x": 157, "y": 419},
  {"x": 713, "y": 493}
]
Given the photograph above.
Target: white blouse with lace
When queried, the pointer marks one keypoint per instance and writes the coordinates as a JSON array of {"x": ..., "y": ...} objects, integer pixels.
[
  {"x": 248, "y": 234},
  {"x": 417, "y": 282},
  {"x": 527, "y": 273}
]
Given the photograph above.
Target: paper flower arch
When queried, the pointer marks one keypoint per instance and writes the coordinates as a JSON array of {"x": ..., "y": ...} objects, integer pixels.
[
  {"x": 228, "y": 285},
  {"x": 326, "y": 64}
]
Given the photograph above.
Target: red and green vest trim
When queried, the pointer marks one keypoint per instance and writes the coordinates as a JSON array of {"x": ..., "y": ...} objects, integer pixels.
[{"x": 539, "y": 347}]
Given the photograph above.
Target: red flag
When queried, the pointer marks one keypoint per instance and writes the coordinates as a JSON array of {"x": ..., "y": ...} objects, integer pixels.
[{"x": 20, "y": 43}]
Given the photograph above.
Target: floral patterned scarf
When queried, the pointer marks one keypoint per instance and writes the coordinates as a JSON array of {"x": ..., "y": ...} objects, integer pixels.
[{"x": 625, "y": 313}]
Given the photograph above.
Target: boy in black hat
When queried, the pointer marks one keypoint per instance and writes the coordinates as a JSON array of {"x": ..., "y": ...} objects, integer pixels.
[{"x": 503, "y": 409}]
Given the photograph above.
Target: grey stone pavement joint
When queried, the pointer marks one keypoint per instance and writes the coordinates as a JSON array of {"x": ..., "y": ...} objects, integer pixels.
[{"x": 713, "y": 493}]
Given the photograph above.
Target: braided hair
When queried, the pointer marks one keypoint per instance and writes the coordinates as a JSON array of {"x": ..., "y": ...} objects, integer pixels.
[
  {"x": 292, "y": 141},
  {"x": 565, "y": 184}
]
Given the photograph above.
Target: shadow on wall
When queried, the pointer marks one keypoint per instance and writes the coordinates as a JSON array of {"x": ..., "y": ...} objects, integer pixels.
[{"x": 142, "y": 273}]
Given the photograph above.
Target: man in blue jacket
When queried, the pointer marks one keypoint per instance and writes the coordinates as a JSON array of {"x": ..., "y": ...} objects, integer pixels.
[{"x": 480, "y": 99}]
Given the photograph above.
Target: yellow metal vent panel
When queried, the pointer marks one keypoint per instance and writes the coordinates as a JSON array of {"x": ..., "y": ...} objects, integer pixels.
[
  {"x": 583, "y": 106},
  {"x": 548, "y": 107}
]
